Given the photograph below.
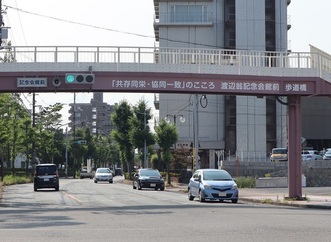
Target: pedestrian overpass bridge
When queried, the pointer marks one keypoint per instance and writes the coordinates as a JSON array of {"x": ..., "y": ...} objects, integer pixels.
[
  {"x": 176, "y": 70},
  {"x": 157, "y": 70}
]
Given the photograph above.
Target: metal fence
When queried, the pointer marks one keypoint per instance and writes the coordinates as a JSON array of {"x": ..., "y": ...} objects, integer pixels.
[{"x": 109, "y": 54}]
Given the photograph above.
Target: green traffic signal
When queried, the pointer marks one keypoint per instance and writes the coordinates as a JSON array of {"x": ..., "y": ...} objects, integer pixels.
[
  {"x": 70, "y": 78},
  {"x": 80, "y": 78}
]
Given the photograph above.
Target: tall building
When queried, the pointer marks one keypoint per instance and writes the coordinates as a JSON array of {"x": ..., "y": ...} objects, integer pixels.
[
  {"x": 247, "y": 127},
  {"x": 94, "y": 115}
]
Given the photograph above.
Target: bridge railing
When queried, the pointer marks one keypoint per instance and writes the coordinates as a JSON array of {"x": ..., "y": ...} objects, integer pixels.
[{"x": 106, "y": 54}]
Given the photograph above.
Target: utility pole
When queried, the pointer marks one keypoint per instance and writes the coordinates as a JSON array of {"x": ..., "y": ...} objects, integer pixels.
[
  {"x": 66, "y": 168},
  {"x": 74, "y": 134},
  {"x": 145, "y": 146},
  {"x": 1, "y": 22},
  {"x": 33, "y": 127},
  {"x": 196, "y": 131}
]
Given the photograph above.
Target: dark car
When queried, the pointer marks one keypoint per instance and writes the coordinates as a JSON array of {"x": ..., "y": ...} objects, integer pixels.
[
  {"x": 148, "y": 178},
  {"x": 118, "y": 172},
  {"x": 46, "y": 176}
]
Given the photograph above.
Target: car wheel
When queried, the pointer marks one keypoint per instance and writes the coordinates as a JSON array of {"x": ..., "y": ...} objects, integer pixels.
[
  {"x": 189, "y": 194},
  {"x": 35, "y": 189},
  {"x": 95, "y": 181},
  {"x": 111, "y": 181},
  {"x": 201, "y": 198},
  {"x": 162, "y": 189},
  {"x": 234, "y": 200},
  {"x": 57, "y": 189}
]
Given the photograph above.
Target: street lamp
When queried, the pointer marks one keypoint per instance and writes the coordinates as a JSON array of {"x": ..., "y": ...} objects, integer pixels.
[
  {"x": 175, "y": 116},
  {"x": 181, "y": 118}
]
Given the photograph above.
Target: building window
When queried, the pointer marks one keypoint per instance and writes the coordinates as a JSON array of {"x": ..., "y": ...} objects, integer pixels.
[{"x": 188, "y": 13}]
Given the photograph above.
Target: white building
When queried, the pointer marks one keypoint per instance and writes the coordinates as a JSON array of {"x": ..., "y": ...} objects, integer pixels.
[{"x": 246, "y": 127}]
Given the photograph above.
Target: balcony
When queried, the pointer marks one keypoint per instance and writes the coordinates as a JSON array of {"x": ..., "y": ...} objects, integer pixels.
[
  {"x": 170, "y": 19},
  {"x": 156, "y": 8}
]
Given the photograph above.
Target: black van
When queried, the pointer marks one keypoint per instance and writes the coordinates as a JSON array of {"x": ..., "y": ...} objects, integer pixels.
[{"x": 46, "y": 176}]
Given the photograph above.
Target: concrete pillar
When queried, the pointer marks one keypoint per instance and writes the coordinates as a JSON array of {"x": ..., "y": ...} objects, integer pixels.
[{"x": 212, "y": 158}]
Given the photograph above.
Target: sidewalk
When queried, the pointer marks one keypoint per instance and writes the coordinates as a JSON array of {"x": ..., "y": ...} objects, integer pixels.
[{"x": 314, "y": 197}]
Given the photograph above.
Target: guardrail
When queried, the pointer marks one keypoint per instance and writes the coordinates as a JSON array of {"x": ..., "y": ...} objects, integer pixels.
[{"x": 157, "y": 55}]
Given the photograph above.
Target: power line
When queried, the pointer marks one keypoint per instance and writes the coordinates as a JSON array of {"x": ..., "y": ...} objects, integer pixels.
[
  {"x": 77, "y": 23},
  {"x": 108, "y": 29}
]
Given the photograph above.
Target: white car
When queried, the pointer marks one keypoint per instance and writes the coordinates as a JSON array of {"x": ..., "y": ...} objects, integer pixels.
[
  {"x": 103, "y": 174},
  {"x": 308, "y": 155},
  {"x": 327, "y": 155}
]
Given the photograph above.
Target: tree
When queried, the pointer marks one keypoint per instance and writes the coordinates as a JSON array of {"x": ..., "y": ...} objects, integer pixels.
[
  {"x": 8, "y": 55},
  {"x": 166, "y": 137},
  {"x": 121, "y": 118},
  {"x": 78, "y": 150},
  {"x": 48, "y": 123},
  {"x": 15, "y": 116},
  {"x": 140, "y": 130}
]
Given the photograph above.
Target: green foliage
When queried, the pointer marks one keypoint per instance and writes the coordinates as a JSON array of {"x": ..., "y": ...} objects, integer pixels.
[
  {"x": 245, "y": 182},
  {"x": 121, "y": 118},
  {"x": 11, "y": 180},
  {"x": 140, "y": 129},
  {"x": 166, "y": 136},
  {"x": 47, "y": 133}
]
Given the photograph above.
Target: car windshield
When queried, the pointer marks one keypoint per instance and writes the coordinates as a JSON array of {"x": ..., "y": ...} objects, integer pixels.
[
  {"x": 105, "y": 170},
  {"x": 149, "y": 173},
  {"x": 279, "y": 151},
  {"x": 46, "y": 170},
  {"x": 216, "y": 176}
]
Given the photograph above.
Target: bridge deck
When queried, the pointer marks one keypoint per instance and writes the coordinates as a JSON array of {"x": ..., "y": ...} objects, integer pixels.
[{"x": 150, "y": 59}]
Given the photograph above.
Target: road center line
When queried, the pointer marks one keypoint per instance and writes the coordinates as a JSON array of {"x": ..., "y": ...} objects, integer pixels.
[{"x": 72, "y": 197}]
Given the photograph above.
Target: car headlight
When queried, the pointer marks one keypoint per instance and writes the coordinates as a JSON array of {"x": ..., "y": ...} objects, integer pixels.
[
  {"x": 235, "y": 186},
  {"x": 208, "y": 186}
]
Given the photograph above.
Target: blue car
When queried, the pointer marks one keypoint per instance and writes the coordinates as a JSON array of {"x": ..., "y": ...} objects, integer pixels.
[{"x": 212, "y": 184}]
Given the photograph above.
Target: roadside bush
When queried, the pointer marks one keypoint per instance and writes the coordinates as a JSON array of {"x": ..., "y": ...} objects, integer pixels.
[
  {"x": 11, "y": 180},
  {"x": 245, "y": 182}
]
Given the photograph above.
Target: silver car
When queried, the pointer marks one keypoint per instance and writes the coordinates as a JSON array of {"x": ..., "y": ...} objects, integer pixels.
[
  {"x": 327, "y": 155},
  {"x": 103, "y": 174},
  {"x": 212, "y": 184}
]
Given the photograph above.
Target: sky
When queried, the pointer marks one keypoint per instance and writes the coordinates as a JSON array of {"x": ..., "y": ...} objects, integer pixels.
[{"x": 128, "y": 23}]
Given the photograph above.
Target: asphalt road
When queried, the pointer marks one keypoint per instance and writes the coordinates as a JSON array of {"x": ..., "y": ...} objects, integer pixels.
[{"x": 85, "y": 211}]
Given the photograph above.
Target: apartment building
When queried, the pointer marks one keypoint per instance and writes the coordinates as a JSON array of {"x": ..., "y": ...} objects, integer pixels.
[
  {"x": 94, "y": 115},
  {"x": 243, "y": 127}
]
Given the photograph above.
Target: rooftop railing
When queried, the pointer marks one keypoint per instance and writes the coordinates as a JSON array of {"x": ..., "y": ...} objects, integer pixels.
[{"x": 157, "y": 55}]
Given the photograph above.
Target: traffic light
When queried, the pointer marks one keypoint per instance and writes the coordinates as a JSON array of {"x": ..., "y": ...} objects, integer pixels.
[
  {"x": 79, "y": 78},
  {"x": 81, "y": 142}
]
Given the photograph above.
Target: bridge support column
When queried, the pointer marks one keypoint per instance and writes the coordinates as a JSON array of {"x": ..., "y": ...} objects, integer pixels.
[{"x": 294, "y": 147}]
